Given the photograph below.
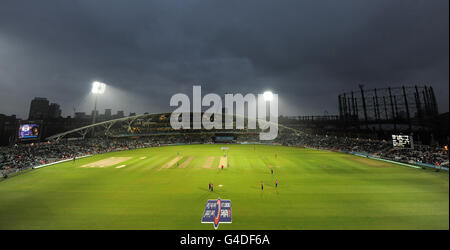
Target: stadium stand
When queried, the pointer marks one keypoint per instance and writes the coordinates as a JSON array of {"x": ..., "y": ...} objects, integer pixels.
[{"x": 24, "y": 156}]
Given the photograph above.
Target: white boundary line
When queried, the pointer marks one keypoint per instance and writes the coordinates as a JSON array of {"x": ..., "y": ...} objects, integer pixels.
[
  {"x": 395, "y": 162},
  {"x": 56, "y": 162},
  {"x": 374, "y": 158}
]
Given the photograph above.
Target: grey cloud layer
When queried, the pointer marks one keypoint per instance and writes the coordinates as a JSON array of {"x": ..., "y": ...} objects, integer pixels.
[{"x": 306, "y": 51}]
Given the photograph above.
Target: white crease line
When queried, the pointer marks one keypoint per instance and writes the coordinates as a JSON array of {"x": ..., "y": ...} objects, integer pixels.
[{"x": 121, "y": 166}]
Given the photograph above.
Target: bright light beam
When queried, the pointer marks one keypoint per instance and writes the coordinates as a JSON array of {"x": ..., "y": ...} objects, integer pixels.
[
  {"x": 98, "y": 87},
  {"x": 268, "y": 96}
]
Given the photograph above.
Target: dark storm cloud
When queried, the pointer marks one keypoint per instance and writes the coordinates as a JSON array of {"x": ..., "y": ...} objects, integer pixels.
[{"x": 306, "y": 51}]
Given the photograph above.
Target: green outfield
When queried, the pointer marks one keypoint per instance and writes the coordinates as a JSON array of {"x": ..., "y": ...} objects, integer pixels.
[{"x": 167, "y": 188}]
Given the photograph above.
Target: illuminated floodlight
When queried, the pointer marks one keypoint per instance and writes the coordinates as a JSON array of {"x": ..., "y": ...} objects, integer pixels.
[
  {"x": 268, "y": 96},
  {"x": 98, "y": 87}
]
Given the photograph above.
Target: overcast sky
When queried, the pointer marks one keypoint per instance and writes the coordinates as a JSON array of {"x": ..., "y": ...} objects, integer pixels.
[{"x": 306, "y": 51}]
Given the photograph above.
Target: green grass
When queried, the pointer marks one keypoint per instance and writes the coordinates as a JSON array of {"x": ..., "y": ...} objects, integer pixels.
[{"x": 317, "y": 190}]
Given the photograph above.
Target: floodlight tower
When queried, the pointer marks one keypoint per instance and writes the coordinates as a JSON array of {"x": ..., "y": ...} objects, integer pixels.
[
  {"x": 98, "y": 88},
  {"x": 268, "y": 97}
]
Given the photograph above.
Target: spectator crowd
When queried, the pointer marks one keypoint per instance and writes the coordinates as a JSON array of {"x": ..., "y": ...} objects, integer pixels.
[{"x": 23, "y": 156}]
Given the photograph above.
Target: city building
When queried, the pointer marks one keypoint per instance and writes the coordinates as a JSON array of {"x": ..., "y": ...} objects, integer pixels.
[
  {"x": 54, "y": 111},
  {"x": 8, "y": 128},
  {"x": 120, "y": 114},
  {"x": 107, "y": 114},
  {"x": 39, "y": 109}
]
